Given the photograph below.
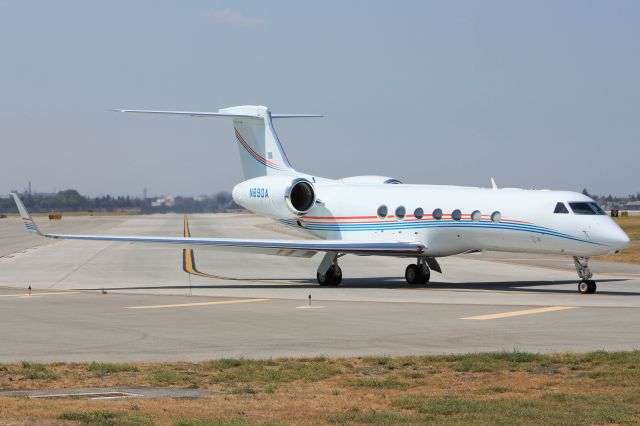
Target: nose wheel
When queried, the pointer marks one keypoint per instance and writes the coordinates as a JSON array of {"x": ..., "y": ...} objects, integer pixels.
[
  {"x": 417, "y": 274},
  {"x": 586, "y": 285}
]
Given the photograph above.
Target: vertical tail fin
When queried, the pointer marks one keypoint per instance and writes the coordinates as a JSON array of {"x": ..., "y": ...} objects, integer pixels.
[{"x": 260, "y": 150}]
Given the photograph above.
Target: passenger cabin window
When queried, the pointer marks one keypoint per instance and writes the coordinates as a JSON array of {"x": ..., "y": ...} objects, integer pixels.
[
  {"x": 588, "y": 208},
  {"x": 437, "y": 214},
  {"x": 382, "y": 211},
  {"x": 561, "y": 208},
  {"x": 456, "y": 214},
  {"x": 400, "y": 213},
  {"x": 418, "y": 213}
]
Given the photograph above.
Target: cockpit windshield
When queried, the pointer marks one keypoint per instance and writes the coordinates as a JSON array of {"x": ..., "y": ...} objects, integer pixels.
[
  {"x": 591, "y": 208},
  {"x": 561, "y": 208}
]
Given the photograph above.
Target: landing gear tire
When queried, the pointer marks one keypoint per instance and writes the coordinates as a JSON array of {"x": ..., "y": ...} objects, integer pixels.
[
  {"x": 587, "y": 287},
  {"x": 414, "y": 274},
  {"x": 426, "y": 276},
  {"x": 333, "y": 276}
]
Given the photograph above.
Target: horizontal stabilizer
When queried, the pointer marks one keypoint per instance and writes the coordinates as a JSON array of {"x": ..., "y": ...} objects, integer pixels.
[
  {"x": 189, "y": 113},
  {"x": 296, "y": 116},
  {"x": 215, "y": 114}
]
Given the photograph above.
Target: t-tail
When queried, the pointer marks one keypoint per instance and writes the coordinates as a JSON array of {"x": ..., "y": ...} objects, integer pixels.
[{"x": 261, "y": 152}]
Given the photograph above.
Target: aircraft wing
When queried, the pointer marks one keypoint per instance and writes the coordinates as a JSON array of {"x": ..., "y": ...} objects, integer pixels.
[{"x": 299, "y": 248}]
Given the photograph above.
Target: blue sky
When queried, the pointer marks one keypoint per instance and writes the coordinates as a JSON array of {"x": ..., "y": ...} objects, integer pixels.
[{"x": 537, "y": 94}]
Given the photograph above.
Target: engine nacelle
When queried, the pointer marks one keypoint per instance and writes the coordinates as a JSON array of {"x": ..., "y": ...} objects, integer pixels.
[
  {"x": 276, "y": 196},
  {"x": 371, "y": 179}
]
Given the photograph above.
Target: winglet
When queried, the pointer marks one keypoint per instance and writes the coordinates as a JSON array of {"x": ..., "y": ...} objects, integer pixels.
[
  {"x": 25, "y": 215},
  {"x": 493, "y": 184}
]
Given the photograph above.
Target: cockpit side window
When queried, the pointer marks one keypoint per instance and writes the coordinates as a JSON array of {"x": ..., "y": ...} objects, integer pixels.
[
  {"x": 589, "y": 208},
  {"x": 561, "y": 208},
  {"x": 596, "y": 208}
]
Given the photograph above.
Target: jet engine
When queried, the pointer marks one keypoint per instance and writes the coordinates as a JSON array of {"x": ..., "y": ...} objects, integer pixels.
[{"x": 281, "y": 197}]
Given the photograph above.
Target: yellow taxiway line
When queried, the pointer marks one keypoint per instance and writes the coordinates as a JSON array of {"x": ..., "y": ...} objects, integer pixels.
[
  {"x": 189, "y": 265},
  {"x": 184, "y": 305},
  {"x": 519, "y": 313}
]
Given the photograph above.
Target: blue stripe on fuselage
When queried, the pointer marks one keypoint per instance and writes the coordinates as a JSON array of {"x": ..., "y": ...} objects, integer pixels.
[{"x": 390, "y": 226}]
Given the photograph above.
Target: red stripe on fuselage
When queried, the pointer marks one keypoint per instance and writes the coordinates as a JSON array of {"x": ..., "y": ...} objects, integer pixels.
[{"x": 254, "y": 153}]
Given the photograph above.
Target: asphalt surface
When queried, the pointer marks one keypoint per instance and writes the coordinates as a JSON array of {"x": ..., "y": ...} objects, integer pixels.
[{"x": 254, "y": 305}]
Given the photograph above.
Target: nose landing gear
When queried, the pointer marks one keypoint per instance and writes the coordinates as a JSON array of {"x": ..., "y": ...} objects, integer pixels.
[
  {"x": 586, "y": 285},
  {"x": 418, "y": 274}
]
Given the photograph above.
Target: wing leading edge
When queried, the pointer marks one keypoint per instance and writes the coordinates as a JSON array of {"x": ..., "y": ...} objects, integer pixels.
[{"x": 301, "y": 248}]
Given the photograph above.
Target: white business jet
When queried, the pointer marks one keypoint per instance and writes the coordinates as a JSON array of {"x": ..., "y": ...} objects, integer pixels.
[{"x": 381, "y": 216}]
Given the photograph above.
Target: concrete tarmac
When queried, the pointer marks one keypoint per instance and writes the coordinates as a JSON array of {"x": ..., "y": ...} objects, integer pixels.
[{"x": 253, "y": 305}]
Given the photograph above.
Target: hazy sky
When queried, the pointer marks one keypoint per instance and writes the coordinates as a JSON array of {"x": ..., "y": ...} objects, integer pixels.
[{"x": 537, "y": 94}]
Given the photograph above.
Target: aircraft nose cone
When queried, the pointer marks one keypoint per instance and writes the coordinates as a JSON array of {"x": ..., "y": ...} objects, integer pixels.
[{"x": 619, "y": 239}]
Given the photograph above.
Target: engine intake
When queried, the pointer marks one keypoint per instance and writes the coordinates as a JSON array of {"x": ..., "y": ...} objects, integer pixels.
[
  {"x": 276, "y": 196},
  {"x": 300, "y": 196}
]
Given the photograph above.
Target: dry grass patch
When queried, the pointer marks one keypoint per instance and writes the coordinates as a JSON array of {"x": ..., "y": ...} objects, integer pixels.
[
  {"x": 631, "y": 254},
  {"x": 488, "y": 388},
  {"x": 630, "y": 225},
  {"x": 104, "y": 418},
  {"x": 109, "y": 368}
]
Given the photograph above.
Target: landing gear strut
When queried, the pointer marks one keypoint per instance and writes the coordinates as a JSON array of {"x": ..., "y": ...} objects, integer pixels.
[
  {"x": 418, "y": 274},
  {"x": 329, "y": 273},
  {"x": 586, "y": 285}
]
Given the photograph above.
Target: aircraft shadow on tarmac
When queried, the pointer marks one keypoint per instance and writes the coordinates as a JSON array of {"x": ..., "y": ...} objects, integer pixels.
[
  {"x": 189, "y": 266},
  {"x": 386, "y": 283}
]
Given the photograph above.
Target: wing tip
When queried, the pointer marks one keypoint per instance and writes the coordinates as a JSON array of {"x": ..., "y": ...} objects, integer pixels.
[{"x": 29, "y": 224}]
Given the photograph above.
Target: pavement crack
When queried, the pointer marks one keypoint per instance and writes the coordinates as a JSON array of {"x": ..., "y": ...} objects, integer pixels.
[{"x": 74, "y": 270}]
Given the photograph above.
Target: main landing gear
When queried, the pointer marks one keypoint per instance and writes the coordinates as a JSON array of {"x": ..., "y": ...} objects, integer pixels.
[
  {"x": 586, "y": 285},
  {"x": 418, "y": 274},
  {"x": 329, "y": 273}
]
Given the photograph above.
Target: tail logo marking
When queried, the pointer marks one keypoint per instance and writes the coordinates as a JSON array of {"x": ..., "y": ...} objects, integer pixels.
[{"x": 259, "y": 158}]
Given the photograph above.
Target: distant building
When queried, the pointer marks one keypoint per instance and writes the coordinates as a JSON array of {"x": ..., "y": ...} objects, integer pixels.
[
  {"x": 164, "y": 202},
  {"x": 632, "y": 205}
]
